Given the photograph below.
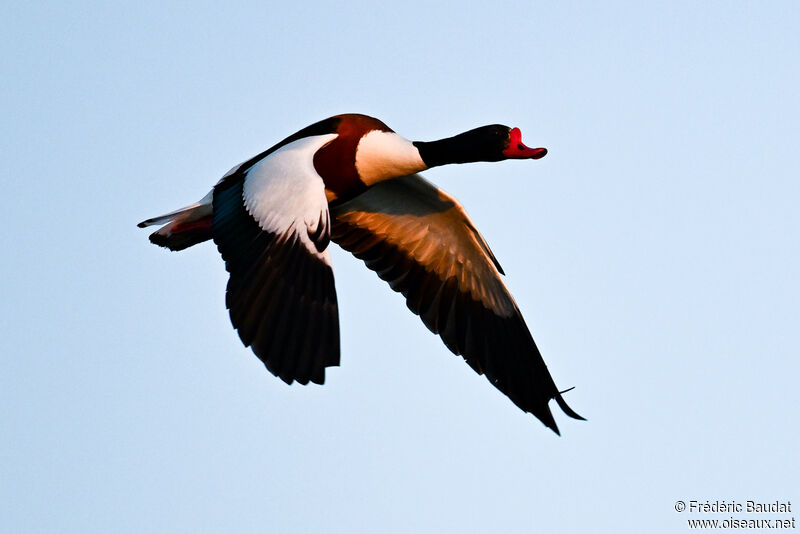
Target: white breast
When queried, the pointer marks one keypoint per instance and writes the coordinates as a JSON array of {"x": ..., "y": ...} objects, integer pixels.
[{"x": 383, "y": 155}]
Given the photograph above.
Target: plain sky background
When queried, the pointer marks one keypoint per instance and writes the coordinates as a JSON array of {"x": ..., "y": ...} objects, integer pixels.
[{"x": 653, "y": 252}]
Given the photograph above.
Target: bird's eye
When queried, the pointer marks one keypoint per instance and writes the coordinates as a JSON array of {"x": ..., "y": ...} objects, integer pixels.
[{"x": 521, "y": 146}]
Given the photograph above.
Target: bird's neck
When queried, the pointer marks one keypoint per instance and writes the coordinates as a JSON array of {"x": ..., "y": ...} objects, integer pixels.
[{"x": 467, "y": 147}]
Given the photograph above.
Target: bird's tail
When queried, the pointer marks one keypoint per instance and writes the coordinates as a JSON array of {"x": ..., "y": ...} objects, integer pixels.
[{"x": 184, "y": 227}]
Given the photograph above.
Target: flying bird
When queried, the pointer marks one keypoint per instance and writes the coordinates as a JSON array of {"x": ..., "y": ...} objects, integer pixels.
[{"x": 352, "y": 180}]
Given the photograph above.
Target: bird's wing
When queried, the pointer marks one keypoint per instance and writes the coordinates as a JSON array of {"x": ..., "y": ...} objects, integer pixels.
[
  {"x": 420, "y": 240},
  {"x": 272, "y": 227}
]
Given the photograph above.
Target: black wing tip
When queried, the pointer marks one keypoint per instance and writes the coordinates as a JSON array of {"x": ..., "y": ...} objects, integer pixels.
[
  {"x": 554, "y": 428},
  {"x": 142, "y": 224},
  {"x": 565, "y": 407},
  {"x": 317, "y": 377},
  {"x": 546, "y": 417}
]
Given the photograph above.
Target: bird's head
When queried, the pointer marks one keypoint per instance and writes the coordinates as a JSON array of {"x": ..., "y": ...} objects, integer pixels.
[{"x": 494, "y": 142}]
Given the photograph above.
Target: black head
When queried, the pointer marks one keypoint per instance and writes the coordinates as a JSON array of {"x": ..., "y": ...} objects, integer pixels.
[{"x": 487, "y": 143}]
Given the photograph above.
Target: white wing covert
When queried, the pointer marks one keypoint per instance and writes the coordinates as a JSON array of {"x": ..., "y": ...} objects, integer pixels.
[{"x": 272, "y": 227}]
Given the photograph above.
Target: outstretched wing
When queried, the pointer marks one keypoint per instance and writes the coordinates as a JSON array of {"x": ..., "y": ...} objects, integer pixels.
[
  {"x": 420, "y": 240},
  {"x": 272, "y": 227}
]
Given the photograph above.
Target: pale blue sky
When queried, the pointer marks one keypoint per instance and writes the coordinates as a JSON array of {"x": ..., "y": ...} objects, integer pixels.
[{"x": 653, "y": 252}]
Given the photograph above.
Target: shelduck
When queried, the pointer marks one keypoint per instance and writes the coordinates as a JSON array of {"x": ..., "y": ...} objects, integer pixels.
[{"x": 352, "y": 180}]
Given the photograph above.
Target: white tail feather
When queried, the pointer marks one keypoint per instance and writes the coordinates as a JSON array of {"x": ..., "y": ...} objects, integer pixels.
[
  {"x": 184, "y": 227},
  {"x": 204, "y": 202}
]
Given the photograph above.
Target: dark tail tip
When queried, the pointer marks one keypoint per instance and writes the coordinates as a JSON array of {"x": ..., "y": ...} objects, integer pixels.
[
  {"x": 161, "y": 240},
  {"x": 180, "y": 240}
]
